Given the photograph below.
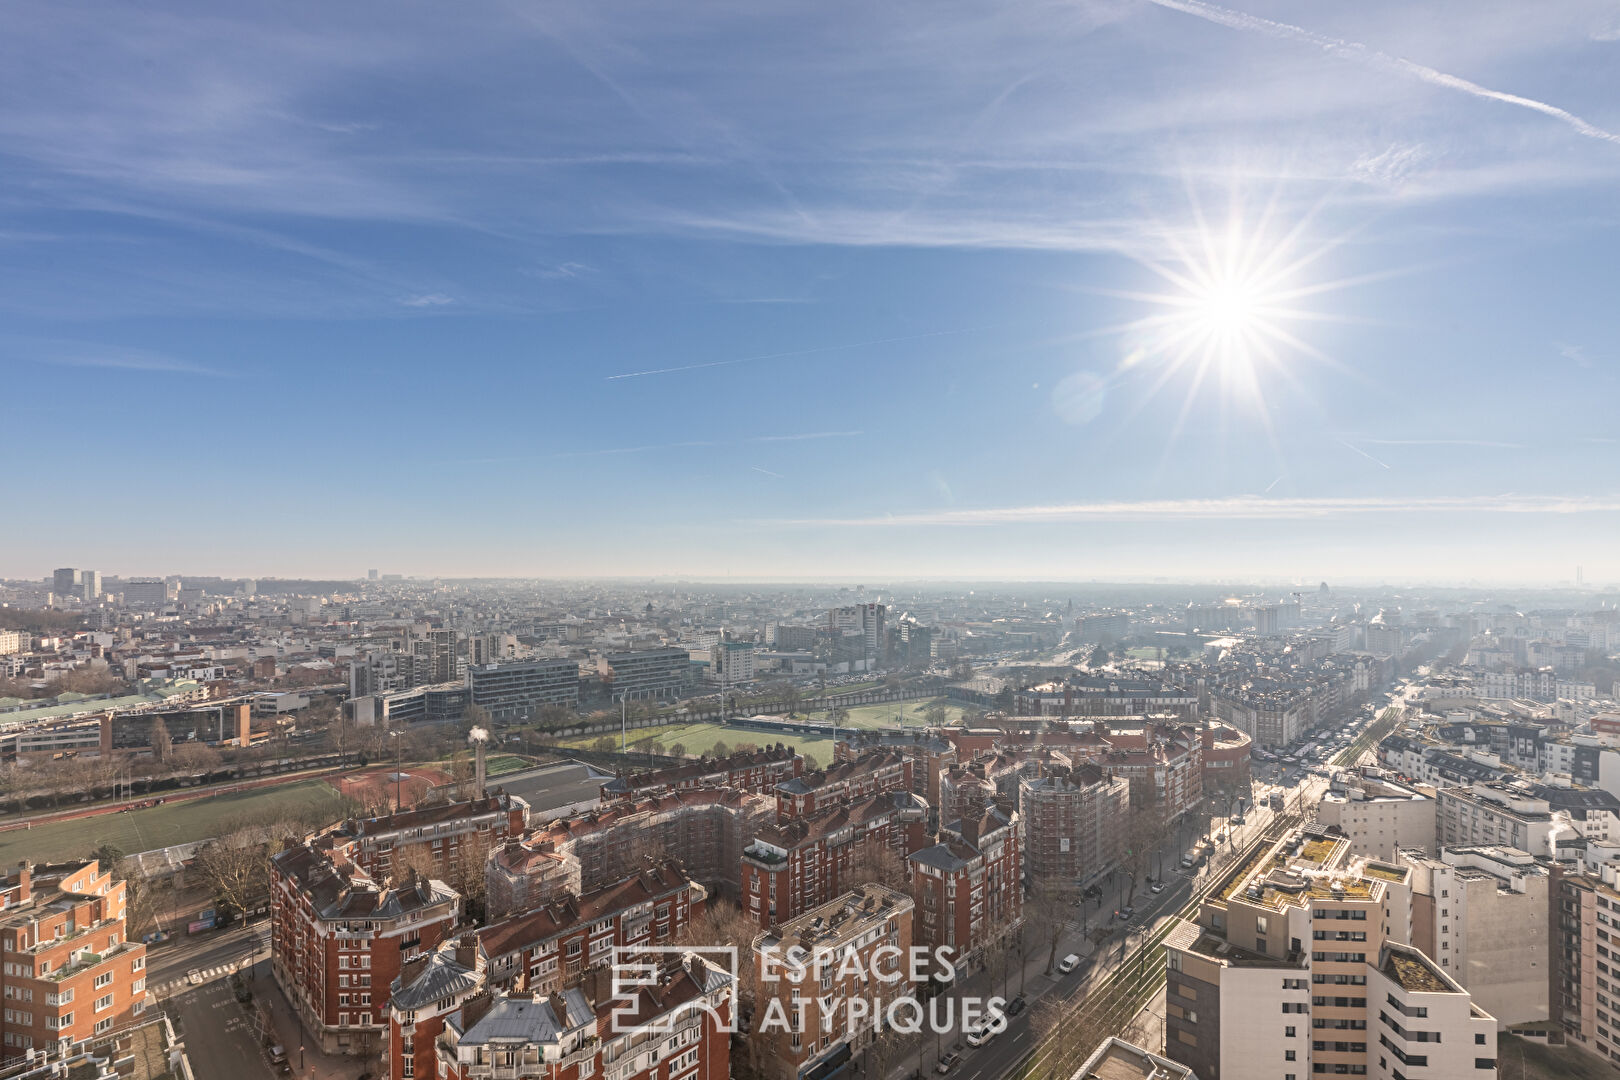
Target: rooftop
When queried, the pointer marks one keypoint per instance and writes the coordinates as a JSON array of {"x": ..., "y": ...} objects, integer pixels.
[
  {"x": 1117, "y": 1059},
  {"x": 1411, "y": 970}
]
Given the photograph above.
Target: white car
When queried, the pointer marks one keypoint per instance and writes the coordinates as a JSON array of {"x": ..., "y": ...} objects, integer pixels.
[
  {"x": 993, "y": 1026},
  {"x": 1069, "y": 963}
]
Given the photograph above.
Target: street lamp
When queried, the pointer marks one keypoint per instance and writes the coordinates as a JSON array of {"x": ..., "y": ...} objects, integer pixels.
[{"x": 396, "y": 733}]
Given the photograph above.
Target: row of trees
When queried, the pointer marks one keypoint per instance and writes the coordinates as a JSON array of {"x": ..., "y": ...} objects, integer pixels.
[{"x": 83, "y": 679}]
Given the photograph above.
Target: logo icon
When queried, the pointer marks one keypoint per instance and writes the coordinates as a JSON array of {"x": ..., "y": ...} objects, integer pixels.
[{"x": 636, "y": 967}]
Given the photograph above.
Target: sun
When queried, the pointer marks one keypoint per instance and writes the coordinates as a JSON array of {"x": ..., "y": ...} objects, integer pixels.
[{"x": 1226, "y": 313}]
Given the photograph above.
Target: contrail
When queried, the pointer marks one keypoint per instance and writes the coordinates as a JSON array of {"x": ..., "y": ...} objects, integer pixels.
[
  {"x": 1271, "y": 485},
  {"x": 1361, "y": 54},
  {"x": 785, "y": 355},
  {"x": 1234, "y": 508},
  {"x": 1363, "y": 453},
  {"x": 767, "y": 472}
]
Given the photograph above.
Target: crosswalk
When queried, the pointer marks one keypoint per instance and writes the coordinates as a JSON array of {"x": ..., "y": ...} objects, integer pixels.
[{"x": 194, "y": 977}]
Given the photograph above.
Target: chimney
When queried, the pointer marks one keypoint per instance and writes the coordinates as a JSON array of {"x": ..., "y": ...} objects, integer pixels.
[
  {"x": 970, "y": 827},
  {"x": 25, "y": 879},
  {"x": 478, "y": 770}
]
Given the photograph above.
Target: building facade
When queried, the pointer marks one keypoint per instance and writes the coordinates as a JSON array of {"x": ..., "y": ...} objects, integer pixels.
[
  {"x": 969, "y": 888},
  {"x": 339, "y": 938},
  {"x": 70, "y": 972}
]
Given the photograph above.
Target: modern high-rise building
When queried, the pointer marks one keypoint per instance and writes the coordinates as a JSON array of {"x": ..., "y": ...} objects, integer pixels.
[
  {"x": 731, "y": 663},
  {"x": 1584, "y": 909},
  {"x": 864, "y": 621},
  {"x": 1481, "y": 913},
  {"x": 1300, "y": 964},
  {"x": 515, "y": 690},
  {"x": 66, "y": 582},
  {"x": 648, "y": 673},
  {"x": 146, "y": 594}
]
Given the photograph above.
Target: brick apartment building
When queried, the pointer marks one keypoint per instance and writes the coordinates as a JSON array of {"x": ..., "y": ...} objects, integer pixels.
[
  {"x": 551, "y": 946},
  {"x": 1072, "y": 821},
  {"x": 375, "y": 844},
  {"x": 674, "y": 1030},
  {"x": 969, "y": 887},
  {"x": 69, "y": 974},
  {"x": 1162, "y": 759},
  {"x": 705, "y": 828},
  {"x": 338, "y": 938},
  {"x": 804, "y": 862},
  {"x": 858, "y": 924},
  {"x": 746, "y": 770},
  {"x": 429, "y": 988},
  {"x": 869, "y": 774},
  {"x": 930, "y": 752}
]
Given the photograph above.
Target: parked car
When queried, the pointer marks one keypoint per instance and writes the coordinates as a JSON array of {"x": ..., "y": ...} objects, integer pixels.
[
  {"x": 1158, "y": 886},
  {"x": 1069, "y": 963},
  {"x": 949, "y": 1062},
  {"x": 993, "y": 1026},
  {"x": 1016, "y": 1005}
]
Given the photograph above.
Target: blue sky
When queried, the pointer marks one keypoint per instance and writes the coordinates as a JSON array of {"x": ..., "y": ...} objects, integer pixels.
[{"x": 403, "y": 286}]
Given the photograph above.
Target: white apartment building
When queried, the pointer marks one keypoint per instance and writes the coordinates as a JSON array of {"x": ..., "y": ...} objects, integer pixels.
[
  {"x": 1481, "y": 913},
  {"x": 13, "y": 642},
  {"x": 1378, "y": 815},
  {"x": 1491, "y": 814},
  {"x": 731, "y": 663},
  {"x": 1300, "y": 964}
]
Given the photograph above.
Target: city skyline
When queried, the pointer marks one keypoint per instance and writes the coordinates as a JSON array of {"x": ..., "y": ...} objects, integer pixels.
[{"x": 1112, "y": 291}]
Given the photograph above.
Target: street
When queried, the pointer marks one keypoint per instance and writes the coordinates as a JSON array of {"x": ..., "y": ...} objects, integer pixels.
[
  {"x": 219, "y": 1031},
  {"x": 214, "y": 953}
]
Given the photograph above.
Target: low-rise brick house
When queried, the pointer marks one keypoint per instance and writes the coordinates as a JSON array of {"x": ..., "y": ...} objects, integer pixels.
[
  {"x": 549, "y": 947},
  {"x": 338, "y": 938},
  {"x": 69, "y": 972}
]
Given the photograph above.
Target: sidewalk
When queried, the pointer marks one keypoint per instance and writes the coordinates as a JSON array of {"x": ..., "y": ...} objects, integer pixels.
[{"x": 291, "y": 1034}]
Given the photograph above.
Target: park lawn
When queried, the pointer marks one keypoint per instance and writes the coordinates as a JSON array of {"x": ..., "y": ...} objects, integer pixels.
[
  {"x": 898, "y": 713},
  {"x": 164, "y": 826},
  {"x": 501, "y": 764},
  {"x": 699, "y": 739}
]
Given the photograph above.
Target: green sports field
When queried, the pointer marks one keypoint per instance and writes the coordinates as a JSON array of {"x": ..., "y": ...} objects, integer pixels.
[
  {"x": 172, "y": 823},
  {"x": 700, "y": 739}
]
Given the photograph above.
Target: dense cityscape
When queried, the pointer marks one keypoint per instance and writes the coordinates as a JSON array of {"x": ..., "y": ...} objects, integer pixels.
[{"x": 416, "y": 828}]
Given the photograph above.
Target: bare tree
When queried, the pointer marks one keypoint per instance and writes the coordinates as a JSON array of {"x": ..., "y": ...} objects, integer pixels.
[
  {"x": 195, "y": 757},
  {"x": 162, "y": 745},
  {"x": 874, "y": 862},
  {"x": 1048, "y": 914},
  {"x": 467, "y": 873},
  {"x": 235, "y": 866}
]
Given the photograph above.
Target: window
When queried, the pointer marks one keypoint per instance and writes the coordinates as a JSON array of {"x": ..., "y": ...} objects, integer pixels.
[
  {"x": 103, "y": 979},
  {"x": 104, "y": 1002},
  {"x": 1288, "y": 1032},
  {"x": 1479, "y": 1039},
  {"x": 1289, "y": 1055}
]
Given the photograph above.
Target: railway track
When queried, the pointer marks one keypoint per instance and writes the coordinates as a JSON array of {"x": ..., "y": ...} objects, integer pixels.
[{"x": 1109, "y": 1007}]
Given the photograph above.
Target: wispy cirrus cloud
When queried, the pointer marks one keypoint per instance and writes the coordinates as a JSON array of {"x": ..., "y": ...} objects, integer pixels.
[
  {"x": 1489, "y": 444},
  {"x": 428, "y": 300},
  {"x": 120, "y": 358},
  {"x": 1234, "y": 508}
]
